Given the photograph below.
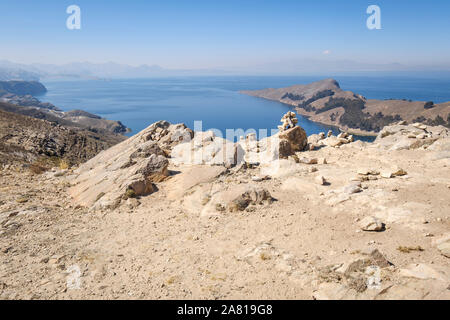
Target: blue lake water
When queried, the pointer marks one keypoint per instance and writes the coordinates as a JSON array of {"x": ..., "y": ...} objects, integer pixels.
[{"x": 216, "y": 101}]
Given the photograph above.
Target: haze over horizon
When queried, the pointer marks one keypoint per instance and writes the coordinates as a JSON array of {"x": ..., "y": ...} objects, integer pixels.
[{"x": 232, "y": 36}]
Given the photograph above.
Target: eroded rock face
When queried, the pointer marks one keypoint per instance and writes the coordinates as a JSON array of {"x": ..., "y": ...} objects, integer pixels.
[
  {"x": 168, "y": 135},
  {"x": 129, "y": 169}
]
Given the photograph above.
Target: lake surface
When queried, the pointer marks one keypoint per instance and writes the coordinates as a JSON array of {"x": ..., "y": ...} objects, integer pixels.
[{"x": 216, "y": 101}]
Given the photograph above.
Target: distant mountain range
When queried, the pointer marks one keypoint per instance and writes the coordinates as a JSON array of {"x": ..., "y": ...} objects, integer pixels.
[
  {"x": 110, "y": 70},
  {"x": 86, "y": 70}
]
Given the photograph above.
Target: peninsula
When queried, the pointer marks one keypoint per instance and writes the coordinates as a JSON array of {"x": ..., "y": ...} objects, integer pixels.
[{"x": 325, "y": 102}]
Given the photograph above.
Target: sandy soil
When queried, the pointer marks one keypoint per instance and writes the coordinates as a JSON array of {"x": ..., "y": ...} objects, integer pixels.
[{"x": 163, "y": 247}]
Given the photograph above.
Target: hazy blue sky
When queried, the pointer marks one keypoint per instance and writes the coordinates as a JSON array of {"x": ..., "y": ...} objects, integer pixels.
[{"x": 226, "y": 34}]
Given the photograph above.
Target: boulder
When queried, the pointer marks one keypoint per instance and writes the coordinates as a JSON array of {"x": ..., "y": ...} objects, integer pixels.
[
  {"x": 292, "y": 141},
  {"x": 126, "y": 170},
  {"x": 254, "y": 195}
]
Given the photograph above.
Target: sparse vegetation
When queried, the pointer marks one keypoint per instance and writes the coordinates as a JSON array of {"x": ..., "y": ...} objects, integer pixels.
[
  {"x": 130, "y": 194},
  {"x": 410, "y": 249},
  {"x": 293, "y": 97},
  {"x": 264, "y": 256},
  {"x": 37, "y": 168},
  {"x": 429, "y": 105},
  {"x": 354, "y": 117},
  {"x": 438, "y": 121},
  {"x": 322, "y": 94}
]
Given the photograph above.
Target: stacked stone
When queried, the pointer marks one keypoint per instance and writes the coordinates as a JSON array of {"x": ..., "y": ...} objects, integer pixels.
[{"x": 288, "y": 121}]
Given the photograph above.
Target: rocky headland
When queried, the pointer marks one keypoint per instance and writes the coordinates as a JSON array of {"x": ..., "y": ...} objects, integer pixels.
[
  {"x": 175, "y": 214},
  {"x": 325, "y": 102},
  {"x": 19, "y": 97}
]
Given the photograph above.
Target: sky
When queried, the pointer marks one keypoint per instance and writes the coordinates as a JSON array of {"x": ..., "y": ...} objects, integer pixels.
[{"x": 252, "y": 34}]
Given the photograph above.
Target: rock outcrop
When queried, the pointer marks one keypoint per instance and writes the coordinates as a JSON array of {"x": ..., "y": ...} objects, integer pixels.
[
  {"x": 207, "y": 148},
  {"x": 316, "y": 141},
  {"x": 404, "y": 137},
  {"x": 129, "y": 169}
]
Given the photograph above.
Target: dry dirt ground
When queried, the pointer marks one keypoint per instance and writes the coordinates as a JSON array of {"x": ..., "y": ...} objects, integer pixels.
[{"x": 308, "y": 244}]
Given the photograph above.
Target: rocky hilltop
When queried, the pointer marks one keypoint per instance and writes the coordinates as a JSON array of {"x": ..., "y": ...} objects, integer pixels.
[
  {"x": 176, "y": 214},
  {"x": 325, "y": 102}
]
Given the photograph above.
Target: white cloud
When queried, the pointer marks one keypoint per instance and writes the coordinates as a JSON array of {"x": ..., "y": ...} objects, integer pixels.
[{"x": 326, "y": 52}]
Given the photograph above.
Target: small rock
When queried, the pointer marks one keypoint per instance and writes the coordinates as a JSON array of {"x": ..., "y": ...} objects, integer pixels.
[
  {"x": 398, "y": 172},
  {"x": 308, "y": 161},
  {"x": 379, "y": 259},
  {"x": 368, "y": 172},
  {"x": 320, "y": 180},
  {"x": 371, "y": 224},
  {"x": 386, "y": 174},
  {"x": 353, "y": 188}
]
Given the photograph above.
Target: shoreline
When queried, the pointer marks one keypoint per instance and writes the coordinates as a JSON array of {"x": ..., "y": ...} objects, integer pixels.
[{"x": 356, "y": 132}]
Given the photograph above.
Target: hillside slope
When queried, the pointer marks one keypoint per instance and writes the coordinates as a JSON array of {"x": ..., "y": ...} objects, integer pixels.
[{"x": 25, "y": 139}]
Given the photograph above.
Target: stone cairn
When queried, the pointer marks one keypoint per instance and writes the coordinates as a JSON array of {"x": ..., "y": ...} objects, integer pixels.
[{"x": 288, "y": 121}]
